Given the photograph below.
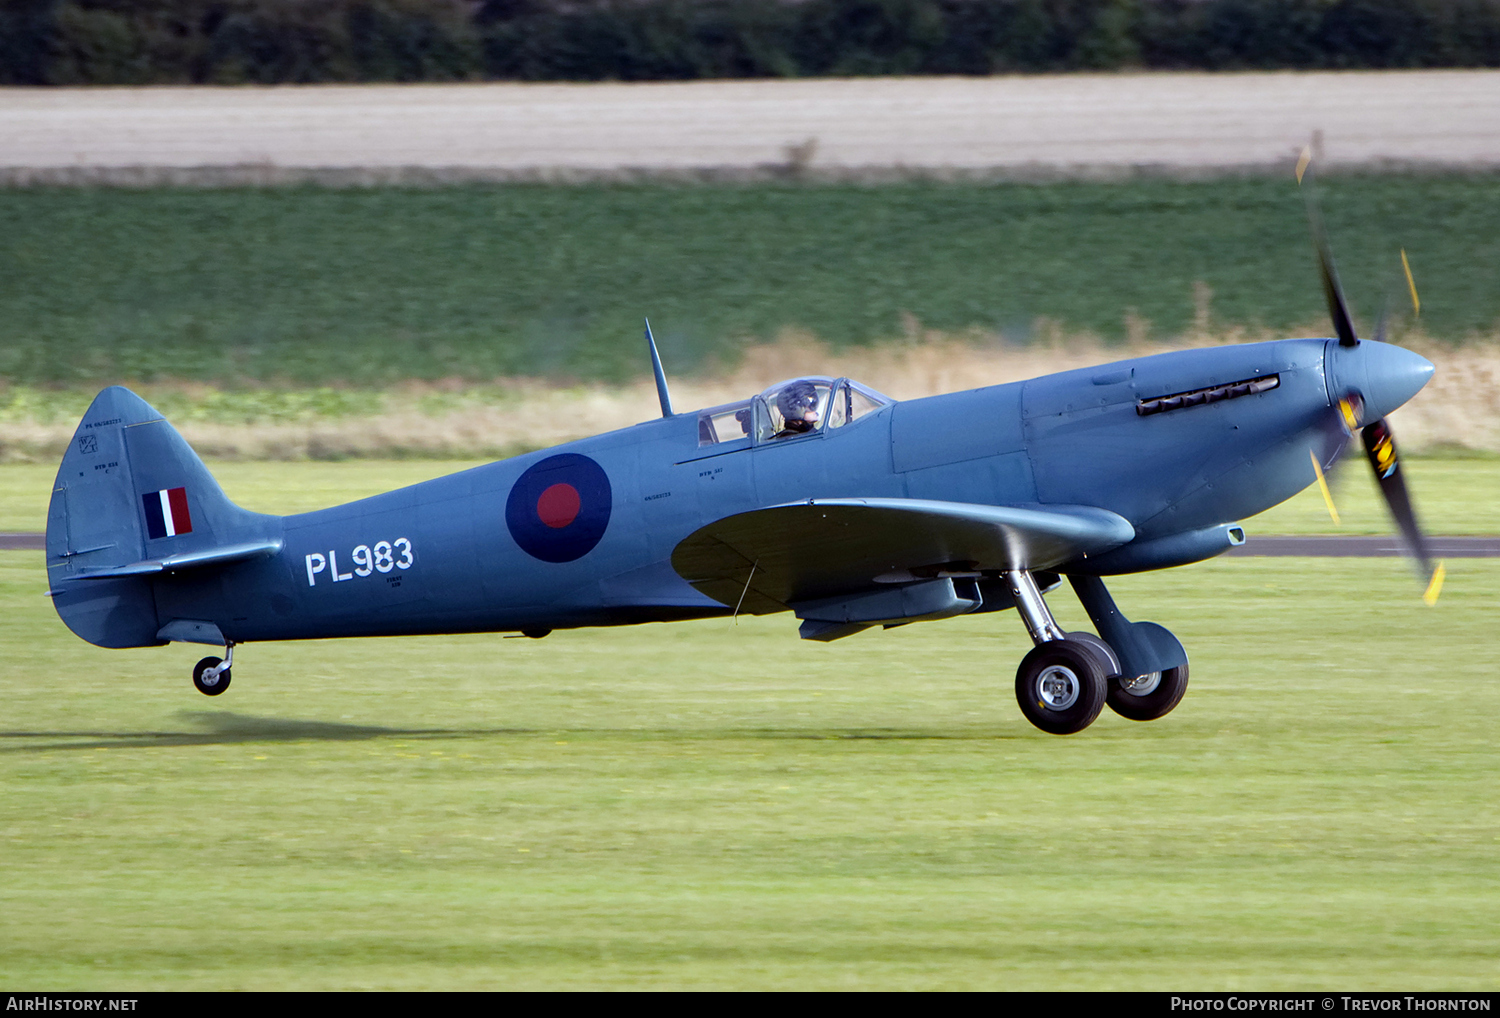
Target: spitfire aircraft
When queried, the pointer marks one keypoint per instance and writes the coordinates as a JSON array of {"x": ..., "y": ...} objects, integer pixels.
[{"x": 818, "y": 496}]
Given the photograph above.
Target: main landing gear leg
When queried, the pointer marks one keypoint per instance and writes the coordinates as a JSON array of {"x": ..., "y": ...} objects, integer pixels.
[
  {"x": 211, "y": 675},
  {"x": 1155, "y": 672},
  {"x": 1062, "y": 683}
]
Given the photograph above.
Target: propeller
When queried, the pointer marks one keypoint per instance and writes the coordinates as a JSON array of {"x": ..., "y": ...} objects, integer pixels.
[
  {"x": 1377, "y": 437},
  {"x": 1338, "y": 308},
  {"x": 1380, "y": 450}
]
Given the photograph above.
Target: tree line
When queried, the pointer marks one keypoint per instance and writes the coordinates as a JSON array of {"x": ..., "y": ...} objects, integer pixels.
[{"x": 122, "y": 42}]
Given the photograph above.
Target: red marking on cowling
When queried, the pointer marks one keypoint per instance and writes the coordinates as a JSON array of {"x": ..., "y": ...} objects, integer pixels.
[{"x": 558, "y": 506}]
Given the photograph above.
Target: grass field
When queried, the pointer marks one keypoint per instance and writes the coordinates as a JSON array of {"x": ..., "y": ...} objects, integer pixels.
[
  {"x": 700, "y": 805},
  {"x": 363, "y": 287}
]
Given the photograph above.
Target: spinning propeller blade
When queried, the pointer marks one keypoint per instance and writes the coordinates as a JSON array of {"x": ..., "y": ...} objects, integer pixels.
[
  {"x": 1411, "y": 289},
  {"x": 1323, "y": 487},
  {"x": 1378, "y": 439},
  {"x": 1380, "y": 450},
  {"x": 1338, "y": 309},
  {"x": 1411, "y": 285}
]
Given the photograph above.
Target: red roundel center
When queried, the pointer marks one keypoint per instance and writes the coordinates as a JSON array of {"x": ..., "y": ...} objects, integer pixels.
[{"x": 558, "y": 506}]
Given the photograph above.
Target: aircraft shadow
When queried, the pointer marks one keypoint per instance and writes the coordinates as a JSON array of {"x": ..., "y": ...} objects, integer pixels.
[
  {"x": 227, "y": 728},
  {"x": 874, "y": 734},
  {"x": 224, "y": 728}
]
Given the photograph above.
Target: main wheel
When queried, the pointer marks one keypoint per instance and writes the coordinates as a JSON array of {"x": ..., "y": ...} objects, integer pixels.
[
  {"x": 1103, "y": 651},
  {"x": 1150, "y": 696},
  {"x": 210, "y": 686},
  {"x": 1061, "y": 686}
]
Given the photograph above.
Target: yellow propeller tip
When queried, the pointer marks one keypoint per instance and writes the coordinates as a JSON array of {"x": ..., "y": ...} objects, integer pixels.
[
  {"x": 1351, "y": 417},
  {"x": 1303, "y": 161},
  {"x": 1411, "y": 284},
  {"x": 1435, "y": 587},
  {"x": 1323, "y": 487}
]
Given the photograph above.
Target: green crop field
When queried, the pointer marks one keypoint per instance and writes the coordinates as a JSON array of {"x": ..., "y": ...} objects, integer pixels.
[
  {"x": 360, "y": 287},
  {"x": 707, "y": 805}
]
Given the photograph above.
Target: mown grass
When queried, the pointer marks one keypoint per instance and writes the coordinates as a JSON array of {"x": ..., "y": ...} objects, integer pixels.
[
  {"x": 362, "y": 287},
  {"x": 700, "y": 805}
]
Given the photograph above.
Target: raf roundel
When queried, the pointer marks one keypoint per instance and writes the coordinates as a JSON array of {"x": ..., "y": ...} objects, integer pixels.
[{"x": 559, "y": 508}]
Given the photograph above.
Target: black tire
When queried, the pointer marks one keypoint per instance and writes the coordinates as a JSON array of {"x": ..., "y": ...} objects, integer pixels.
[
  {"x": 221, "y": 682},
  {"x": 1154, "y": 703},
  {"x": 1061, "y": 686}
]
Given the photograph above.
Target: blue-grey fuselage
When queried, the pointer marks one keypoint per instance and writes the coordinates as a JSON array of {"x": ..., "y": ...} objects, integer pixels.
[{"x": 481, "y": 550}]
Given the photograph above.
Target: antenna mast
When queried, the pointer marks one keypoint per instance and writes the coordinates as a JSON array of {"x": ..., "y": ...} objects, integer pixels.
[{"x": 661, "y": 376}]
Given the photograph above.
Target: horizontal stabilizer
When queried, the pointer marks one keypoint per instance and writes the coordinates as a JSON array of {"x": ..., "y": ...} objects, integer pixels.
[
  {"x": 186, "y": 560},
  {"x": 766, "y": 559}
]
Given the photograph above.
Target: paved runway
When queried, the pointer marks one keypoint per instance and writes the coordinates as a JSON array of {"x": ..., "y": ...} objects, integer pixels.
[
  {"x": 1018, "y": 126},
  {"x": 1366, "y": 547},
  {"x": 1313, "y": 547}
]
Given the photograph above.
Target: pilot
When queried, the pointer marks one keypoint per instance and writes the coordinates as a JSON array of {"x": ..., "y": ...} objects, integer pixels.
[{"x": 798, "y": 403}]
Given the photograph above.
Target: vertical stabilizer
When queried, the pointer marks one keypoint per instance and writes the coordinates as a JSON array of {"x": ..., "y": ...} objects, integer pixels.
[{"x": 130, "y": 489}]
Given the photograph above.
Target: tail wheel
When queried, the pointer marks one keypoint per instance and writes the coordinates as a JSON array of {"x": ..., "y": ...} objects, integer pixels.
[
  {"x": 1148, "y": 697},
  {"x": 208, "y": 681},
  {"x": 1061, "y": 686}
]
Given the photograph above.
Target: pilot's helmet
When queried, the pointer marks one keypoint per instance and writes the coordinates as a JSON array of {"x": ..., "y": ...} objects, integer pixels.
[{"x": 795, "y": 399}]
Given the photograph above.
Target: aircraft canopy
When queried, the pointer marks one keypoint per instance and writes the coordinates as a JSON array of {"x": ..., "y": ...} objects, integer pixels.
[{"x": 790, "y": 409}]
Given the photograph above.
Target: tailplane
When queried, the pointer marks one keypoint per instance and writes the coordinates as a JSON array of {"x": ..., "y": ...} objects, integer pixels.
[{"x": 132, "y": 501}]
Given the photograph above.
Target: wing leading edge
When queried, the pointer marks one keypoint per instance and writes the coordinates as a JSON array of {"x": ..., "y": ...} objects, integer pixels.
[{"x": 768, "y": 560}]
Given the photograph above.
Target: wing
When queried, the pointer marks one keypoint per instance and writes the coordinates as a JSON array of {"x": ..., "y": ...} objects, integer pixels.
[{"x": 826, "y": 547}]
